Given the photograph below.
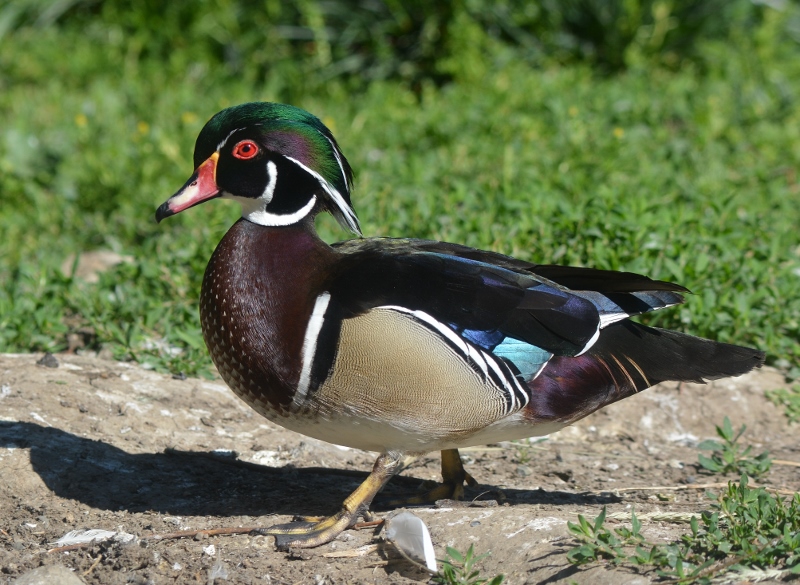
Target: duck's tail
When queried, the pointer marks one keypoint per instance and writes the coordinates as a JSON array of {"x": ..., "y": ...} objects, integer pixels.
[{"x": 627, "y": 358}]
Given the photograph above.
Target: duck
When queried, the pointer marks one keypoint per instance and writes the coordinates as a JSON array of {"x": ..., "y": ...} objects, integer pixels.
[{"x": 405, "y": 346}]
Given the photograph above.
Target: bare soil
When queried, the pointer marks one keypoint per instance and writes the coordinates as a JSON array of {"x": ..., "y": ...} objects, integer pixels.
[{"x": 96, "y": 444}]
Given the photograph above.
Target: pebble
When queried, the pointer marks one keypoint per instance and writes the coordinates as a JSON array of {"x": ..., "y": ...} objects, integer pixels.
[
  {"x": 49, "y": 575},
  {"x": 48, "y": 360}
]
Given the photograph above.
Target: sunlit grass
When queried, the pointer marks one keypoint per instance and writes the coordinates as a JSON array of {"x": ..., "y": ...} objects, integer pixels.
[{"x": 688, "y": 176}]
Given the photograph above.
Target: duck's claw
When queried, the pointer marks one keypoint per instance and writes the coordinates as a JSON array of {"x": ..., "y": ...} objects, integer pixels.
[
  {"x": 311, "y": 532},
  {"x": 454, "y": 476},
  {"x": 302, "y": 534}
]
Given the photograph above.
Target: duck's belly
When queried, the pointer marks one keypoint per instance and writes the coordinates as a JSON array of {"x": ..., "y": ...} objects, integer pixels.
[
  {"x": 395, "y": 384},
  {"x": 373, "y": 435}
]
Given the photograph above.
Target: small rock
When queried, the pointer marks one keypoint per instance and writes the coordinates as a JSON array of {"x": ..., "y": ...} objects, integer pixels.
[
  {"x": 48, "y": 575},
  {"x": 48, "y": 361},
  {"x": 298, "y": 555},
  {"x": 564, "y": 476},
  {"x": 124, "y": 538},
  {"x": 10, "y": 568}
]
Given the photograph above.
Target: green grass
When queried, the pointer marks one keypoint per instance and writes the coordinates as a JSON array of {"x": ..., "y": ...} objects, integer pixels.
[
  {"x": 687, "y": 174},
  {"x": 789, "y": 398},
  {"x": 728, "y": 456},
  {"x": 459, "y": 569},
  {"x": 747, "y": 533}
]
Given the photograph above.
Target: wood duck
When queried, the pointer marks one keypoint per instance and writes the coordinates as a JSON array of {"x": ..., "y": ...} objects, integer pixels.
[{"x": 404, "y": 346}]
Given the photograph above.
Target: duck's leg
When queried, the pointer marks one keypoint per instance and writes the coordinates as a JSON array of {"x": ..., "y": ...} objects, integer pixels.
[
  {"x": 452, "y": 487},
  {"x": 311, "y": 534}
]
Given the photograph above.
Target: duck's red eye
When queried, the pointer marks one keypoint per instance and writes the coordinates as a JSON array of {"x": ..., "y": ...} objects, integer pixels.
[{"x": 245, "y": 149}]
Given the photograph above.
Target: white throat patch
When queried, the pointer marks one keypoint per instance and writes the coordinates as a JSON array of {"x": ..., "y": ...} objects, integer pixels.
[{"x": 255, "y": 210}]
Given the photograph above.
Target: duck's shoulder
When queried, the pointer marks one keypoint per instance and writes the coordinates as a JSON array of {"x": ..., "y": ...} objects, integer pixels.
[
  {"x": 560, "y": 309},
  {"x": 407, "y": 250}
]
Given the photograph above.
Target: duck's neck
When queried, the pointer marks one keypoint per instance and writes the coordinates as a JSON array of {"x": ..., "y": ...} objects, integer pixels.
[{"x": 258, "y": 293}]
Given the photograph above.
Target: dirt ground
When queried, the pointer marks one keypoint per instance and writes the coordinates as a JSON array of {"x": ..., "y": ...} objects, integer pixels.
[{"x": 96, "y": 444}]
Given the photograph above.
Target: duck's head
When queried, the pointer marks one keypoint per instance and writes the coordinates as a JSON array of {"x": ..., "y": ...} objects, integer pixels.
[{"x": 279, "y": 162}]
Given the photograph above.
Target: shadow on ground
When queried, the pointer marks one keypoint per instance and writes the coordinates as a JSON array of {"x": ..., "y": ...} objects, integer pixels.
[{"x": 102, "y": 476}]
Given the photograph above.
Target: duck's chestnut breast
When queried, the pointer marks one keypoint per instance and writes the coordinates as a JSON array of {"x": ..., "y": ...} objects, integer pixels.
[{"x": 257, "y": 296}]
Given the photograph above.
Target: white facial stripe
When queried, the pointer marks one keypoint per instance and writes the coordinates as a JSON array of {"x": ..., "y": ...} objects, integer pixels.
[
  {"x": 350, "y": 218},
  {"x": 231, "y": 133},
  {"x": 338, "y": 160},
  {"x": 310, "y": 346},
  {"x": 269, "y": 190}
]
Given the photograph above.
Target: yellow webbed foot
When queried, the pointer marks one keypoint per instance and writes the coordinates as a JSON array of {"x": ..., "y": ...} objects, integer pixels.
[
  {"x": 308, "y": 534},
  {"x": 454, "y": 476}
]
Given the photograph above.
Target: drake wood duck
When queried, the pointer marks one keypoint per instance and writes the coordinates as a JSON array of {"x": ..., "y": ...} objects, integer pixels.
[{"x": 404, "y": 346}]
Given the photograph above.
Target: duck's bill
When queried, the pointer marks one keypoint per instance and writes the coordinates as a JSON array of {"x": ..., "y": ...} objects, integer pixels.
[{"x": 201, "y": 186}]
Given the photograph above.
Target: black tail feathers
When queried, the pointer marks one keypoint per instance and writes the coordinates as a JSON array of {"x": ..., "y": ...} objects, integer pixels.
[
  {"x": 664, "y": 355},
  {"x": 627, "y": 358}
]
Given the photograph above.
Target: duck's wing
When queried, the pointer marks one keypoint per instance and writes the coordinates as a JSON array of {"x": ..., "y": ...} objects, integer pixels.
[
  {"x": 489, "y": 299},
  {"x": 572, "y": 277}
]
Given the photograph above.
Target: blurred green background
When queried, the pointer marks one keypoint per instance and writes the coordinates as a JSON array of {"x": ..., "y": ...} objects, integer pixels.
[{"x": 661, "y": 137}]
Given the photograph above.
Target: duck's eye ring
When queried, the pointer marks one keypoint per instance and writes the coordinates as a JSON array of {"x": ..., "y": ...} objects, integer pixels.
[{"x": 246, "y": 149}]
